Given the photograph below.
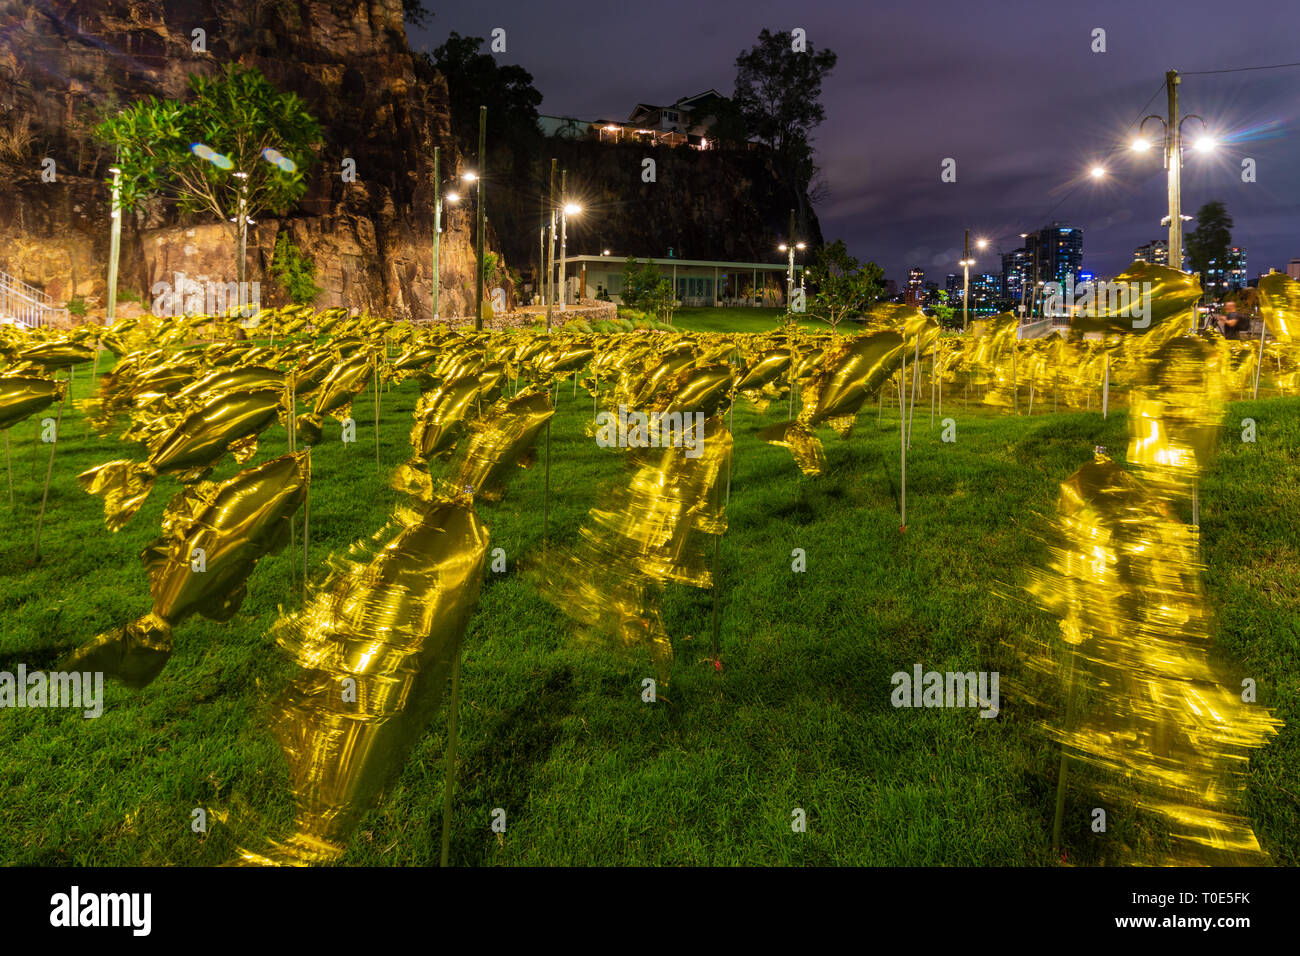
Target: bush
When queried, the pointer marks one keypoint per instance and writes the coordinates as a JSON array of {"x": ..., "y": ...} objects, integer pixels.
[
  {"x": 77, "y": 306},
  {"x": 294, "y": 272}
]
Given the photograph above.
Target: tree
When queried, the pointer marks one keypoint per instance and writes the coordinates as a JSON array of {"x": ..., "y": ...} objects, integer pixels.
[
  {"x": 778, "y": 95},
  {"x": 845, "y": 287},
  {"x": 415, "y": 12},
  {"x": 778, "y": 90},
  {"x": 1210, "y": 240},
  {"x": 645, "y": 288},
  {"x": 474, "y": 79},
  {"x": 237, "y": 143}
]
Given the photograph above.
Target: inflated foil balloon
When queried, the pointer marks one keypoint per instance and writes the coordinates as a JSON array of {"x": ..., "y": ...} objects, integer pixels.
[
  {"x": 1152, "y": 708},
  {"x": 375, "y": 646},
  {"x": 229, "y": 422},
  {"x": 57, "y": 354},
  {"x": 1279, "y": 304},
  {"x": 441, "y": 416},
  {"x": 851, "y": 373},
  {"x": 24, "y": 395},
  {"x": 213, "y": 536}
]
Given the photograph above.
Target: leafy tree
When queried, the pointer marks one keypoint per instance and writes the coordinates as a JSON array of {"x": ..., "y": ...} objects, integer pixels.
[
  {"x": 778, "y": 91},
  {"x": 475, "y": 79},
  {"x": 295, "y": 273},
  {"x": 845, "y": 287},
  {"x": 645, "y": 288},
  {"x": 236, "y": 136},
  {"x": 1210, "y": 240},
  {"x": 415, "y": 12},
  {"x": 778, "y": 96}
]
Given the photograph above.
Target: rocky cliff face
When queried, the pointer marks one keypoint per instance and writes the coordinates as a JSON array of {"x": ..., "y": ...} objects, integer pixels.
[{"x": 63, "y": 63}]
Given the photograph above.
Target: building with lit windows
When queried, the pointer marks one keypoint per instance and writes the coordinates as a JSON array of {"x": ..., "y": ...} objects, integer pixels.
[
  {"x": 1224, "y": 277},
  {"x": 1155, "y": 252}
]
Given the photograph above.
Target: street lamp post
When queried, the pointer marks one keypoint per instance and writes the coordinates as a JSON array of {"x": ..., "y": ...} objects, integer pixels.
[
  {"x": 1173, "y": 130},
  {"x": 114, "y": 244},
  {"x": 242, "y": 220},
  {"x": 437, "y": 227},
  {"x": 789, "y": 276},
  {"x": 569, "y": 209},
  {"x": 966, "y": 263}
]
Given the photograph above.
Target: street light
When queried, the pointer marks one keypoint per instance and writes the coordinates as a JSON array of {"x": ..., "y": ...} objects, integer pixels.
[
  {"x": 438, "y": 199},
  {"x": 114, "y": 246},
  {"x": 1097, "y": 172},
  {"x": 1173, "y": 130},
  {"x": 569, "y": 209},
  {"x": 789, "y": 278}
]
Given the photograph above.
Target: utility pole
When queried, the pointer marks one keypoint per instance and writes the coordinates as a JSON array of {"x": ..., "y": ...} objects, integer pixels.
[
  {"x": 965, "y": 281},
  {"x": 564, "y": 238},
  {"x": 541, "y": 249},
  {"x": 437, "y": 224},
  {"x": 1174, "y": 163},
  {"x": 482, "y": 171},
  {"x": 550, "y": 252},
  {"x": 789, "y": 286}
]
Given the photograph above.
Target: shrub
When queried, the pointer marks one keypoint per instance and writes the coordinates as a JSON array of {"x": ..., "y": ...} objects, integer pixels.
[
  {"x": 77, "y": 306},
  {"x": 294, "y": 272}
]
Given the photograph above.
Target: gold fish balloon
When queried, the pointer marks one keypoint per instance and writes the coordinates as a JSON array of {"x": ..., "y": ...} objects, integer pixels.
[
  {"x": 441, "y": 416},
  {"x": 1150, "y": 706},
  {"x": 1279, "y": 304},
  {"x": 375, "y": 646},
  {"x": 24, "y": 395},
  {"x": 851, "y": 373},
  {"x": 213, "y": 537},
  {"x": 645, "y": 534},
  {"x": 344, "y": 382},
  {"x": 230, "y": 422}
]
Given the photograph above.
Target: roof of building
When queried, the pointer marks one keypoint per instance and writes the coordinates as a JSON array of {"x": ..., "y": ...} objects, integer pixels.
[{"x": 689, "y": 262}]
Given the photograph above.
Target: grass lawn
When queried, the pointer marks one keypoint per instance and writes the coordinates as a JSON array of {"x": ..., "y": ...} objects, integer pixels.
[
  {"x": 741, "y": 319},
  {"x": 557, "y": 734}
]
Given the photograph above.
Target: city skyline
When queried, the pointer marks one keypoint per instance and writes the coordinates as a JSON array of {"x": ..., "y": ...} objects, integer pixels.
[{"x": 1040, "y": 109}]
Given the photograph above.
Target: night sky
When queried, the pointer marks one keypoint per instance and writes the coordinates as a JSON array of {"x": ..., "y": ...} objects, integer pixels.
[{"x": 1011, "y": 90}]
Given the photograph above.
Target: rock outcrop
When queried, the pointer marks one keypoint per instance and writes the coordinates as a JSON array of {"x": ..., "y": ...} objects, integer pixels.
[{"x": 66, "y": 63}]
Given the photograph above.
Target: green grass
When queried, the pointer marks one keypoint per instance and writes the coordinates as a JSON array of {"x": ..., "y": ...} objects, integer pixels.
[
  {"x": 557, "y": 735},
  {"x": 741, "y": 319}
]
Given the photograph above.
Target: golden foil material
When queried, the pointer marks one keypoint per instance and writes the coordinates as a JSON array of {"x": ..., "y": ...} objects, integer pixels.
[
  {"x": 851, "y": 372},
  {"x": 213, "y": 537},
  {"x": 24, "y": 395},
  {"x": 375, "y": 645},
  {"x": 1153, "y": 710},
  {"x": 229, "y": 422},
  {"x": 1279, "y": 304}
]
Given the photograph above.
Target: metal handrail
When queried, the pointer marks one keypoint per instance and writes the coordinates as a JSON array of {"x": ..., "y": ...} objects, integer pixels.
[{"x": 20, "y": 302}]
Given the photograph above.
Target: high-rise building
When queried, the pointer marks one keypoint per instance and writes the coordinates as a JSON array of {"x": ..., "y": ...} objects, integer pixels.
[
  {"x": 1293, "y": 268},
  {"x": 1155, "y": 252},
  {"x": 1060, "y": 252},
  {"x": 954, "y": 287},
  {"x": 915, "y": 294},
  {"x": 1224, "y": 277},
  {"x": 985, "y": 290},
  {"x": 1015, "y": 273}
]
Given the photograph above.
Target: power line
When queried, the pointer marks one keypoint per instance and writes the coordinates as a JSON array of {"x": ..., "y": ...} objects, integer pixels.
[{"x": 1239, "y": 69}]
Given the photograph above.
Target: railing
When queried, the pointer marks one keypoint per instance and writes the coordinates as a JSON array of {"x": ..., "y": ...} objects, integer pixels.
[{"x": 25, "y": 304}]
